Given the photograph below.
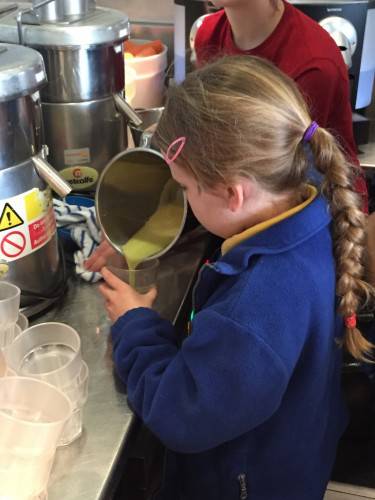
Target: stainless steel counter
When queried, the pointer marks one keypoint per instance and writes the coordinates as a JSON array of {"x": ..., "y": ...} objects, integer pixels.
[
  {"x": 340, "y": 491},
  {"x": 85, "y": 469}
]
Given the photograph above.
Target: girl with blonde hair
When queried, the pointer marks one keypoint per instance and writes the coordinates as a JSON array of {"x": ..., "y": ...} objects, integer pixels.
[{"x": 250, "y": 405}]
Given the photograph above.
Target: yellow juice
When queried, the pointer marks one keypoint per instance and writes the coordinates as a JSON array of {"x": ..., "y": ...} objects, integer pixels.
[{"x": 156, "y": 234}]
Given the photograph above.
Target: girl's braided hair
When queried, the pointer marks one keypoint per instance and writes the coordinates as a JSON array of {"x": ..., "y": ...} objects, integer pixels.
[{"x": 244, "y": 117}]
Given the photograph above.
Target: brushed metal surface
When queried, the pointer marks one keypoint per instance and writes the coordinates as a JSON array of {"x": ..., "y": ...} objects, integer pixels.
[
  {"x": 21, "y": 71},
  {"x": 81, "y": 73},
  {"x": 125, "y": 201},
  {"x": 96, "y": 125},
  {"x": 341, "y": 491},
  {"x": 100, "y": 27},
  {"x": 21, "y": 130},
  {"x": 50, "y": 176}
]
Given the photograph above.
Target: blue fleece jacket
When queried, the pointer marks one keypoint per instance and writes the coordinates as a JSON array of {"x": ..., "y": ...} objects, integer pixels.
[{"x": 250, "y": 406}]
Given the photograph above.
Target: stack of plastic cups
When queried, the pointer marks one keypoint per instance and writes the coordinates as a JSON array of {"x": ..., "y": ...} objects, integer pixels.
[
  {"x": 32, "y": 417},
  {"x": 22, "y": 322},
  {"x": 3, "y": 365},
  {"x": 51, "y": 352},
  {"x": 10, "y": 296}
]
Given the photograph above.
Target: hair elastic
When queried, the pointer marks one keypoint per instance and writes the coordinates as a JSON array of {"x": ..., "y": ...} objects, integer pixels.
[
  {"x": 171, "y": 156},
  {"x": 351, "y": 321},
  {"x": 310, "y": 131}
]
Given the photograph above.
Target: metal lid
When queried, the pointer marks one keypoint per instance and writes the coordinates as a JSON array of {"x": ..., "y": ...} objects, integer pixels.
[
  {"x": 21, "y": 71},
  {"x": 101, "y": 26}
]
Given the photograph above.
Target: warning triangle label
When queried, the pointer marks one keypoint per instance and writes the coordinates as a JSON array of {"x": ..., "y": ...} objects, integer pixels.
[{"x": 9, "y": 218}]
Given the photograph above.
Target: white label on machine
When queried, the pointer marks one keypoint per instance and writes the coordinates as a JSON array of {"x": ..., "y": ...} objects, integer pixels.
[
  {"x": 77, "y": 156},
  {"x": 27, "y": 223}
]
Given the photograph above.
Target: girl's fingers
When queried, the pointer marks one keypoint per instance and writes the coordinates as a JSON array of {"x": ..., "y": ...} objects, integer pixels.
[
  {"x": 151, "y": 294},
  {"x": 96, "y": 261},
  {"x": 95, "y": 264},
  {"x": 112, "y": 280},
  {"x": 107, "y": 293},
  {"x": 99, "y": 257}
]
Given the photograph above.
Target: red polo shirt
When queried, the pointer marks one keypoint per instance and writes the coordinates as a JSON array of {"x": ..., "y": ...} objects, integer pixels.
[{"x": 306, "y": 52}]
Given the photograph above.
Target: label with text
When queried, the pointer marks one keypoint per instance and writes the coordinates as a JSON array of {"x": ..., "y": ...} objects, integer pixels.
[{"x": 27, "y": 223}]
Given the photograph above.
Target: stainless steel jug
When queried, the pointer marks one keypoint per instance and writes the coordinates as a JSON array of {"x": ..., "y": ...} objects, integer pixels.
[
  {"x": 131, "y": 189},
  {"x": 28, "y": 242}
]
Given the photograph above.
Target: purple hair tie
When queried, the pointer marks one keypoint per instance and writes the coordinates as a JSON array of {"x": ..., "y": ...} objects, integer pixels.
[{"x": 310, "y": 131}]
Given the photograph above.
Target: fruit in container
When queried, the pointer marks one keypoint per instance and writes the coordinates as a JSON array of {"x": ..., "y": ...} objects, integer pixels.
[{"x": 142, "y": 49}]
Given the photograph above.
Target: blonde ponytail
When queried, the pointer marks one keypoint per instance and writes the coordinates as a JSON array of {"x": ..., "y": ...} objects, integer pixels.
[{"x": 349, "y": 237}]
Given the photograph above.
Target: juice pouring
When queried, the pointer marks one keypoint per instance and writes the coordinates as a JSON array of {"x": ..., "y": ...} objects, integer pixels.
[
  {"x": 140, "y": 208},
  {"x": 157, "y": 233}
]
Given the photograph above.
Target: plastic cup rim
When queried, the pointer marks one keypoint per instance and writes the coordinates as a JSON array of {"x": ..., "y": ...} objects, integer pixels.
[
  {"x": 154, "y": 263},
  {"x": 41, "y": 375},
  {"x": 31, "y": 423},
  {"x": 21, "y": 315},
  {"x": 12, "y": 286}
]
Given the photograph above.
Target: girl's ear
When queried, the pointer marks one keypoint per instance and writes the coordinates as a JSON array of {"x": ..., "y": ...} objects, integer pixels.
[
  {"x": 235, "y": 197},
  {"x": 238, "y": 193}
]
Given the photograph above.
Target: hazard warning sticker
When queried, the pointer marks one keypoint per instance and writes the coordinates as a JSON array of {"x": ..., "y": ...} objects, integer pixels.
[
  {"x": 27, "y": 223},
  {"x": 9, "y": 218}
]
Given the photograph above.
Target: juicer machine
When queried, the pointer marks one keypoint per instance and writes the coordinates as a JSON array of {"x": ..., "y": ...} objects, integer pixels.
[
  {"x": 29, "y": 254},
  {"x": 84, "y": 110}
]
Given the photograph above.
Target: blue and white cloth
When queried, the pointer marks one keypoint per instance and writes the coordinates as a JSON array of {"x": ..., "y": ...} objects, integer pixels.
[{"x": 84, "y": 230}]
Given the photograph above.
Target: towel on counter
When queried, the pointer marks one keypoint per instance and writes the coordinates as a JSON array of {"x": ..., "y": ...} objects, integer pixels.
[{"x": 81, "y": 223}]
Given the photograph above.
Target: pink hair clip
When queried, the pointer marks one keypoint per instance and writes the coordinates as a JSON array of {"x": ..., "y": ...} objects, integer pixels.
[{"x": 171, "y": 155}]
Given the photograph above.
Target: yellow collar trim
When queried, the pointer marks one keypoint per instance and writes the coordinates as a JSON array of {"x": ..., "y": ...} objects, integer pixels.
[{"x": 262, "y": 226}]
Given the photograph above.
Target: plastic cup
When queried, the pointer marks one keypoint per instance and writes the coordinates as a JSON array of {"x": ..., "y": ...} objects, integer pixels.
[
  {"x": 48, "y": 351},
  {"x": 8, "y": 335},
  {"x": 10, "y": 296},
  {"x": 142, "y": 279},
  {"x": 51, "y": 352},
  {"x": 130, "y": 83},
  {"x": 77, "y": 393},
  {"x": 32, "y": 417},
  {"x": 3, "y": 366},
  {"x": 22, "y": 321}
]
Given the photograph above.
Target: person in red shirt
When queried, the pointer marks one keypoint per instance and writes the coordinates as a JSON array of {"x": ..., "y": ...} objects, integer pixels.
[{"x": 296, "y": 44}]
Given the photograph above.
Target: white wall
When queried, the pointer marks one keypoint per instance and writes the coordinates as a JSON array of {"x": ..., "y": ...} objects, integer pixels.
[{"x": 143, "y": 10}]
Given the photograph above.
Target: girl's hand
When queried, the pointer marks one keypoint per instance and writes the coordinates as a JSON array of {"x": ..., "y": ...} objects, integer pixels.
[
  {"x": 99, "y": 258},
  {"x": 120, "y": 297}
]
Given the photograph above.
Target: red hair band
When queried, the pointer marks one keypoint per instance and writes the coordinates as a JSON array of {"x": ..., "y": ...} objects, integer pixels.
[{"x": 351, "y": 321}]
